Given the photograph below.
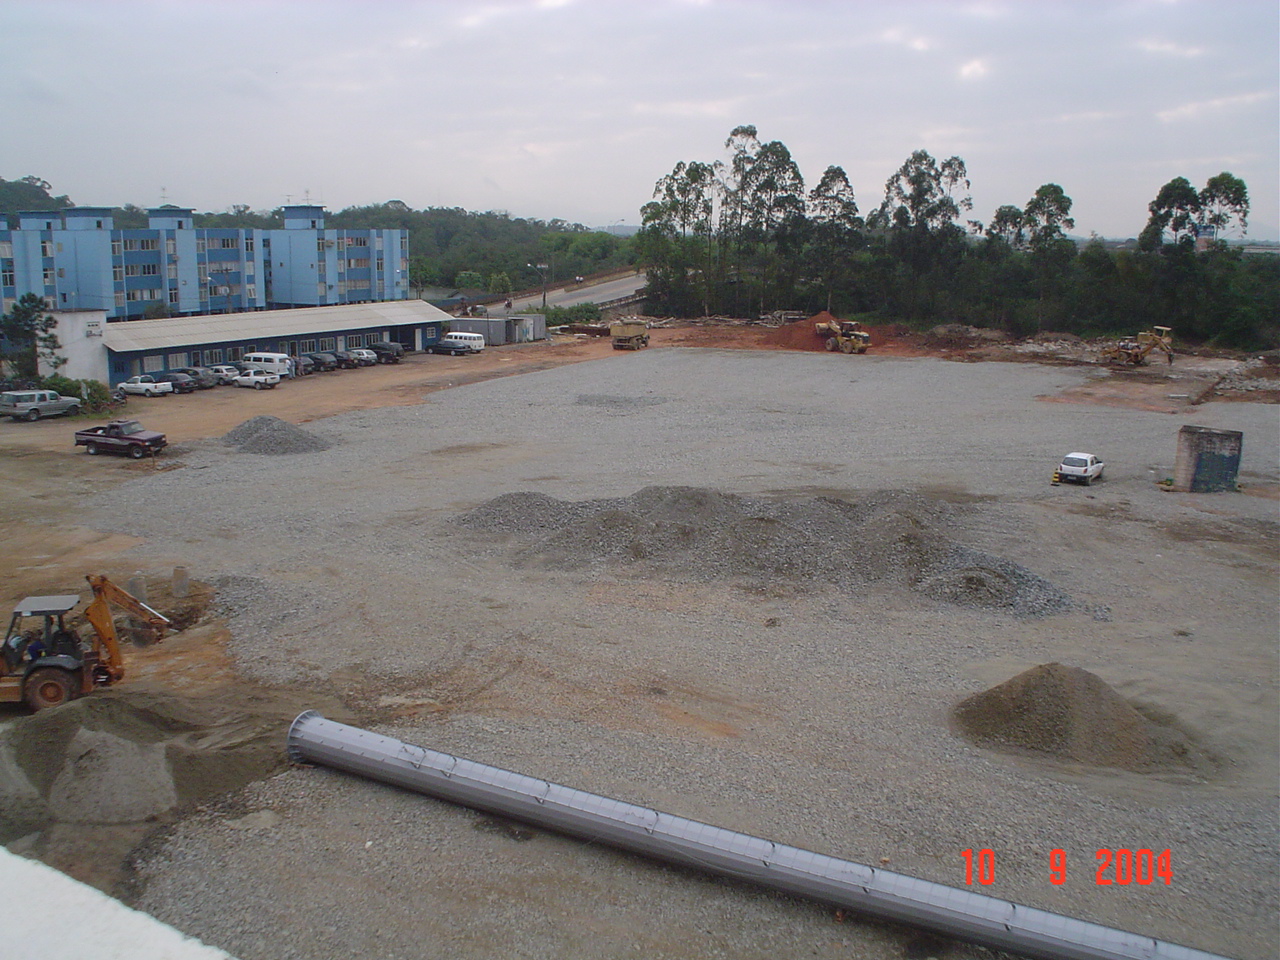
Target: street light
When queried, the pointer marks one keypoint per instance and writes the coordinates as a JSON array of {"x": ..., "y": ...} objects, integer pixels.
[{"x": 542, "y": 274}]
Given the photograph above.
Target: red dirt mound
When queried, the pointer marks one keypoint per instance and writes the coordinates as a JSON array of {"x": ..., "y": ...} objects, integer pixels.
[{"x": 798, "y": 335}]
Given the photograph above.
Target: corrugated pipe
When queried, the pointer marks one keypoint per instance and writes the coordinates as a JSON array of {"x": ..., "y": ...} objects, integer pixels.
[{"x": 866, "y": 890}]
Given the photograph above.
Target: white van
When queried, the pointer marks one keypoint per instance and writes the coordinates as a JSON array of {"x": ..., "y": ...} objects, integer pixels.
[
  {"x": 473, "y": 341},
  {"x": 270, "y": 362}
]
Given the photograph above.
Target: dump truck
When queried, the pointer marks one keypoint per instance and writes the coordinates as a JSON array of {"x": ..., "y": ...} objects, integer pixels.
[
  {"x": 1134, "y": 352},
  {"x": 629, "y": 334},
  {"x": 44, "y": 662},
  {"x": 847, "y": 336}
]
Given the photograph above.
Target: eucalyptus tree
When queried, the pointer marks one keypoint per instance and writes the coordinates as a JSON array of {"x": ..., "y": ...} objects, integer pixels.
[
  {"x": 917, "y": 225},
  {"x": 1175, "y": 209},
  {"x": 1224, "y": 199},
  {"x": 835, "y": 228}
]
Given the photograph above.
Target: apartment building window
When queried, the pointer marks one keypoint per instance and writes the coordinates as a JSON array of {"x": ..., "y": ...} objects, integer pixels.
[
  {"x": 380, "y": 267},
  {"x": 251, "y": 291},
  {"x": 176, "y": 360},
  {"x": 173, "y": 271},
  {"x": 248, "y": 244},
  {"x": 116, "y": 248},
  {"x": 46, "y": 248},
  {"x": 148, "y": 244},
  {"x": 212, "y": 356},
  {"x": 119, "y": 298},
  {"x": 7, "y": 277},
  {"x": 307, "y": 346},
  {"x": 358, "y": 263},
  {"x": 320, "y": 245},
  {"x": 200, "y": 245},
  {"x": 171, "y": 247},
  {"x": 328, "y": 343},
  {"x": 229, "y": 243},
  {"x": 152, "y": 364},
  {"x": 320, "y": 289},
  {"x": 6, "y": 249},
  {"x": 131, "y": 270},
  {"x": 358, "y": 241},
  {"x": 48, "y": 276},
  {"x": 130, "y": 246},
  {"x": 173, "y": 294},
  {"x": 150, "y": 269}
]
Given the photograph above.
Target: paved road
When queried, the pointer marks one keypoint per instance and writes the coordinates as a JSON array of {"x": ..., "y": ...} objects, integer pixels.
[{"x": 585, "y": 293}]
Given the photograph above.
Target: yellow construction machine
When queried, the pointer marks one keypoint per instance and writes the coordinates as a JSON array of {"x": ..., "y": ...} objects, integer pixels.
[
  {"x": 847, "y": 336},
  {"x": 46, "y": 663},
  {"x": 1135, "y": 351}
]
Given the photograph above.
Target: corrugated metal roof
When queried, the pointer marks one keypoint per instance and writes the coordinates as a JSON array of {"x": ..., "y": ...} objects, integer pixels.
[{"x": 217, "y": 328}]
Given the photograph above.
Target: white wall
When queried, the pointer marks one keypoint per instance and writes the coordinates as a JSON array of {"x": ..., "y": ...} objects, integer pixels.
[
  {"x": 80, "y": 923},
  {"x": 85, "y": 350}
]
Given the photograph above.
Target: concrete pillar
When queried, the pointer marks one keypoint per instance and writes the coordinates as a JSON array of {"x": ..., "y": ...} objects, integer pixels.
[
  {"x": 138, "y": 586},
  {"x": 181, "y": 584},
  {"x": 1208, "y": 460}
]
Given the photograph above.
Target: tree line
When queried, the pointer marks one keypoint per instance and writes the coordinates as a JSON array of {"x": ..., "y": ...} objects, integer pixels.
[{"x": 742, "y": 235}]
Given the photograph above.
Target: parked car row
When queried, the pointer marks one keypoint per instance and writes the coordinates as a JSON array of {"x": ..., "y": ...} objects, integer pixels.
[{"x": 258, "y": 370}]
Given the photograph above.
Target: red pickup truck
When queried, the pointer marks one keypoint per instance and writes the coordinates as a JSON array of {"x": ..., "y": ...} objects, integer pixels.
[{"x": 121, "y": 436}]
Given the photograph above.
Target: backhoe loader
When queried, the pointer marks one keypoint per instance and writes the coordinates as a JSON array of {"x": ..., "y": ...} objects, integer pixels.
[
  {"x": 46, "y": 663},
  {"x": 1135, "y": 351}
]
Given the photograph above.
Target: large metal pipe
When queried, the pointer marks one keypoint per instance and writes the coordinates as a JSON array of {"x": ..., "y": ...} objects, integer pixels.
[{"x": 867, "y": 890}]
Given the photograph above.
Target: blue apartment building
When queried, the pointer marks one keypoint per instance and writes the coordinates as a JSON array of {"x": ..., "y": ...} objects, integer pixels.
[{"x": 77, "y": 260}]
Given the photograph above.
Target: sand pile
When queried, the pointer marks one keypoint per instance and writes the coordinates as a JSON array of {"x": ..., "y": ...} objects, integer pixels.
[
  {"x": 1071, "y": 714},
  {"x": 702, "y": 534},
  {"x": 271, "y": 435},
  {"x": 127, "y": 756}
]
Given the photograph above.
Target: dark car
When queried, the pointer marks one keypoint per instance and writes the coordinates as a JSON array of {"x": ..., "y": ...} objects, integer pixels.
[
  {"x": 387, "y": 351},
  {"x": 181, "y": 382},
  {"x": 345, "y": 360},
  {"x": 323, "y": 361},
  {"x": 205, "y": 378},
  {"x": 305, "y": 365}
]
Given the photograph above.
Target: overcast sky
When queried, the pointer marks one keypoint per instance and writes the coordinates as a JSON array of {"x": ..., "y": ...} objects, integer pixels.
[{"x": 572, "y": 109}]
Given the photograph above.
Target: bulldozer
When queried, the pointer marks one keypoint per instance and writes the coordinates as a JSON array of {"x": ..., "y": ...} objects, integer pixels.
[
  {"x": 847, "y": 336},
  {"x": 46, "y": 663},
  {"x": 1134, "y": 352}
]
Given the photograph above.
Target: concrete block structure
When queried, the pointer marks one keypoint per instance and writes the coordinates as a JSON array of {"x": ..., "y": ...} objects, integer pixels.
[{"x": 1208, "y": 460}]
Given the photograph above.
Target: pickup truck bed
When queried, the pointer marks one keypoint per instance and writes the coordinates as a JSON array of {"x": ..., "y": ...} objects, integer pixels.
[{"x": 121, "y": 436}]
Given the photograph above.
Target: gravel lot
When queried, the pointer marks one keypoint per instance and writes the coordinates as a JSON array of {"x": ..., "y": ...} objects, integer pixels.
[{"x": 807, "y": 707}]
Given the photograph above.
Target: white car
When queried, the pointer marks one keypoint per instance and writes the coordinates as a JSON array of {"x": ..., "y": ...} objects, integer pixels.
[
  {"x": 1080, "y": 467},
  {"x": 146, "y": 386},
  {"x": 366, "y": 358},
  {"x": 258, "y": 379}
]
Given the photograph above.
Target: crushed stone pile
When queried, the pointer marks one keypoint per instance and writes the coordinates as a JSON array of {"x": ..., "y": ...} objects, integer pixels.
[
  {"x": 271, "y": 435},
  {"x": 704, "y": 534},
  {"x": 1071, "y": 714},
  {"x": 119, "y": 757}
]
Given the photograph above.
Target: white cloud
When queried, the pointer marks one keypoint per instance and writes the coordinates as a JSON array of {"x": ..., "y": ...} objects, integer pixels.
[
  {"x": 898, "y": 37},
  {"x": 1169, "y": 48},
  {"x": 1201, "y": 108},
  {"x": 687, "y": 108},
  {"x": 974, "y": 70}
]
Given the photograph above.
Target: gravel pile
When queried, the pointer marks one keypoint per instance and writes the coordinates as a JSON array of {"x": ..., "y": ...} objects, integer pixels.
[
  {"x": 271, "y": 435},
  {"x": 704, "y": 534}
]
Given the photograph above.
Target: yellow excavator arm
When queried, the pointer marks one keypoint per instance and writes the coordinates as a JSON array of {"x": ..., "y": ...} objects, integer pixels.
[{"x": 98, "y": 613}]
